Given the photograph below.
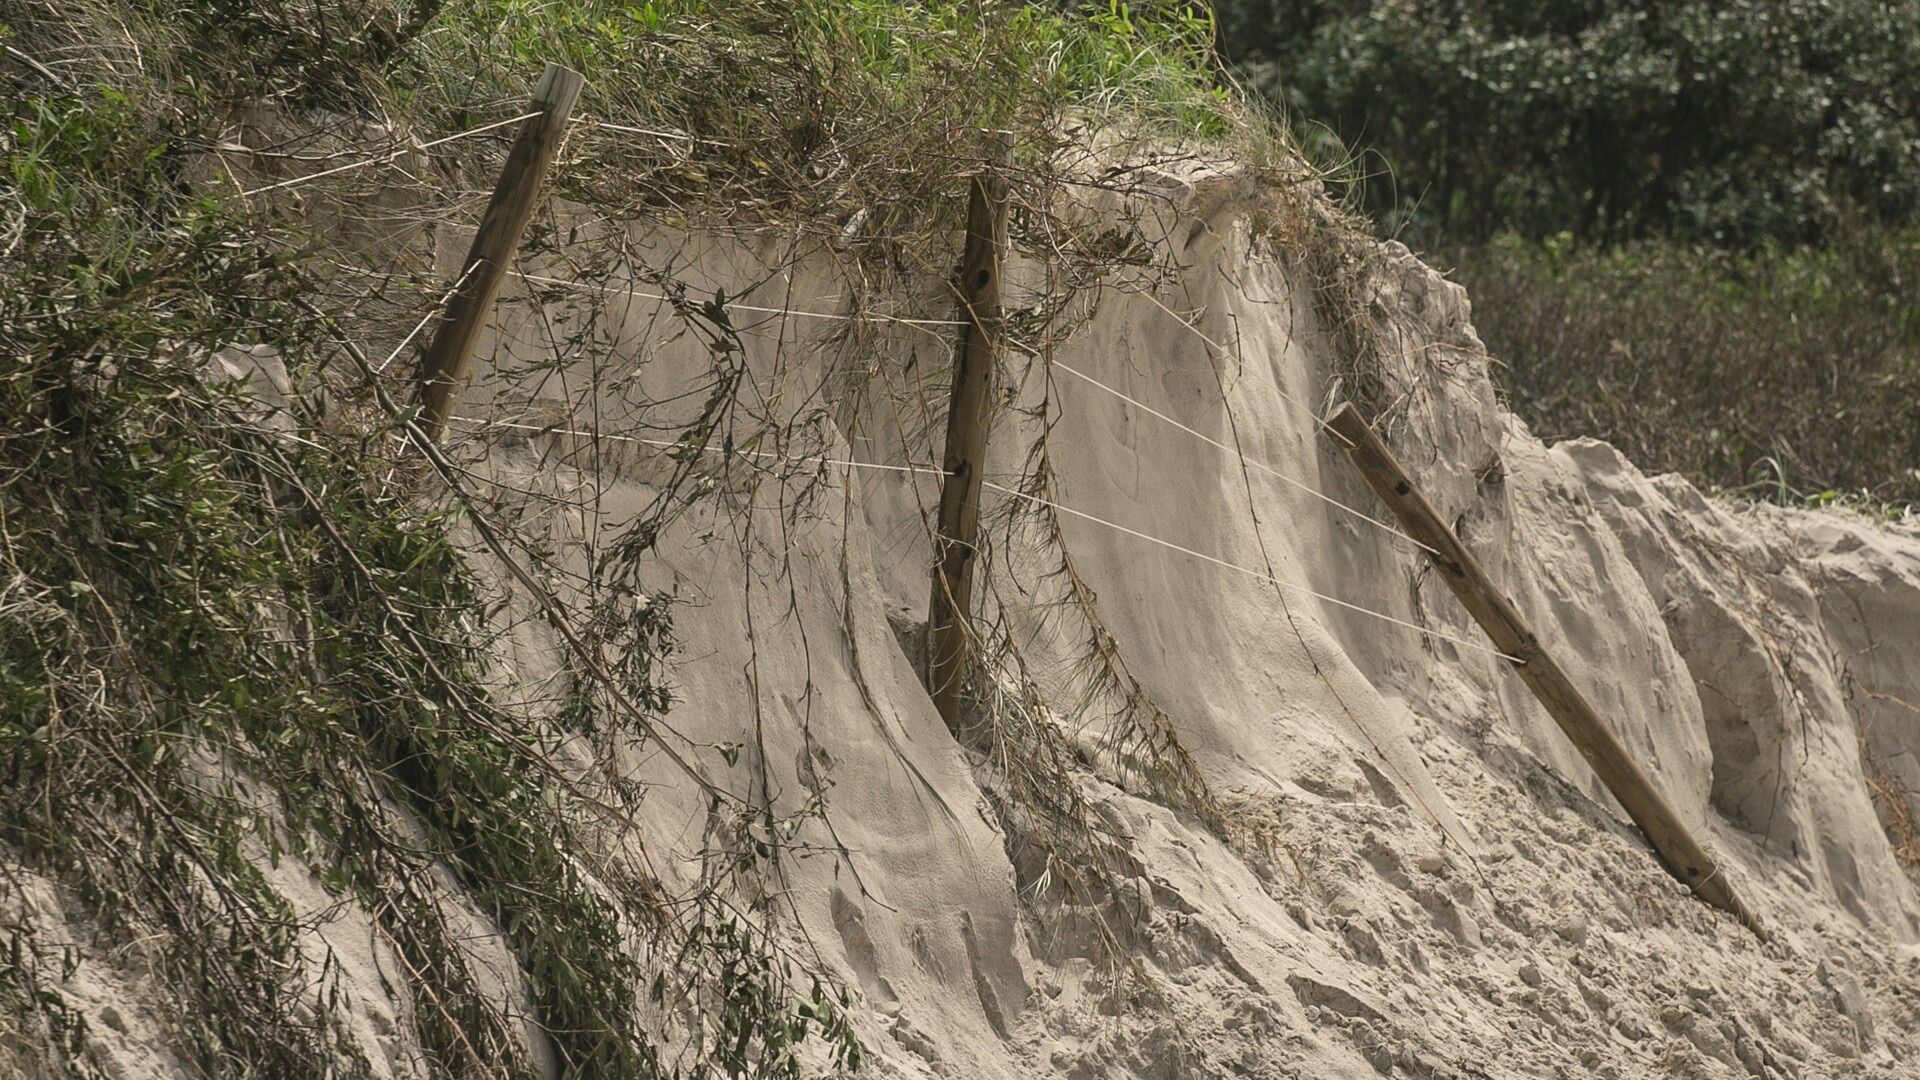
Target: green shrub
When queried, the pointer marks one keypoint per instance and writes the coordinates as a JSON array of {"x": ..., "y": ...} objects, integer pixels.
[
  {"x": 221, "y": 644},
  {"x": 1728, "y": 123}
]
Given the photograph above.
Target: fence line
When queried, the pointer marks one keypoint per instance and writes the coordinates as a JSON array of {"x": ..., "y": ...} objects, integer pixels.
[
  {"x": 677, "y": 136},
  {"x": 844, "y": 316},
  {"x": 668, "y": 444},
  {"x": 431, "y": 314},
  {"x": 1256, "y": 463},
  {"x": 835, "y": 316},
  {"x": 1305, "y": 409},
  {"x": 1257, "y": 574},
  {"x": 848, "y": 463},
  {"x": 383, "y": 158}
]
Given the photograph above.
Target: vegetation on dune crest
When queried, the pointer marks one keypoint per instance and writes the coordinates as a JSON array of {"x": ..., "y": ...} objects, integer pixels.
[
  {"x": 239, "y": 635},
  {"x": 1725, "y": 123}
]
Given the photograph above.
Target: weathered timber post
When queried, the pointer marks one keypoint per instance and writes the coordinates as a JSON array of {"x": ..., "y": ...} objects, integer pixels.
[
  {"x": 969, "y": 413},
  {"x": 1683, "y": 855},
  {"x": 445, "y": 365}
]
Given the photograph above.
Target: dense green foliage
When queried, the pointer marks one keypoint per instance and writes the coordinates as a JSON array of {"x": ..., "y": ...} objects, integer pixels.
[
  {"x": 1731, "y": 123},
  {"x": 226, "y": 640},
  {"x": 1687, "y": 227}
]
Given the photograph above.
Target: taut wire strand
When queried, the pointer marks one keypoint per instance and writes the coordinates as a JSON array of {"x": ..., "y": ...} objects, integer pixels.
[
  {"x": 1268, "y": 578},
  {"x": 1224, "y": 351},
  {"x": 382, "y": 158},
  {"x": 848, "y": 463},
  {"x": 1262, "y": 466},
  {"x": 841, "y": 316}
]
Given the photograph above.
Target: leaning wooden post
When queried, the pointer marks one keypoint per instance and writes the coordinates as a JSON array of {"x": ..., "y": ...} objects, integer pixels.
[
  {"x": 969, "y": 413},
  {"x": 445, "y": 365},
  {"x": 1683, "y": 856}
]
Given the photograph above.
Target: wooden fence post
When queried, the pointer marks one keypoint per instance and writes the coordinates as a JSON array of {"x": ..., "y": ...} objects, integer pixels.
[
  {"x": 969, "y": 413},
  {"x": 444, "y": 366},
  {"x": 1682, "y": 855}
]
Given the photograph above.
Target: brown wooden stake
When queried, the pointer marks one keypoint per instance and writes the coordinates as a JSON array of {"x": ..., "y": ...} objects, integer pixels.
[
  {"x": 969, "y": 414},
  {"x": 1683, "y": 856},
  {"x": 444, "y": 367}
]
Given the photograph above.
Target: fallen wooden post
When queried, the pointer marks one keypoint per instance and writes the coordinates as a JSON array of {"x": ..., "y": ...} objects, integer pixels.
[
  {"x": 445, "y": 364},
  {"x": 969, "y": 413},
  {"x": 1676, "y": 847}
]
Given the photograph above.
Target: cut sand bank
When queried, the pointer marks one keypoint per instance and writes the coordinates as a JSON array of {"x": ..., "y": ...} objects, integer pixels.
[{"x": 1416, "y": 874}]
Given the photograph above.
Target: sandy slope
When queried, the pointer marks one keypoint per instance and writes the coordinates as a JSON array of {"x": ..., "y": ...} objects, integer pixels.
[
  {"x": 1445, "y": 889},
  {"x": 1435, "y": 886}
]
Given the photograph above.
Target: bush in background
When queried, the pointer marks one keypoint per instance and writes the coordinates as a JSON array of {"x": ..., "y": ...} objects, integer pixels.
[
  {"x": 1786, "y": 375},
  {"x": 1689, "y": 228},
  {"x": 1728, "y": 123}
]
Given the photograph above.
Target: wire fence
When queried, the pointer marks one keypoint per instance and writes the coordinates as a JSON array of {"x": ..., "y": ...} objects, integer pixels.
[
  {"x": 931, "y": 325},
  {"x": 589, "y": 369},
  {"x": 1393, "y": 533},
  {"x": 390, "y": 156}
]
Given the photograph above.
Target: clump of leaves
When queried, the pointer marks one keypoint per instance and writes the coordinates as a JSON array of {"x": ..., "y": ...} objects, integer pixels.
[
  {"x": 233, "y": 632},
  {"x": 1727, "y": 123}
]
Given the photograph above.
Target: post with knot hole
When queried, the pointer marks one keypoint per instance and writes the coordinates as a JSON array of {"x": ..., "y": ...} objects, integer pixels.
[
  {"x": 444, "y": 367},
  {"x": 969, "y": 416}
]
